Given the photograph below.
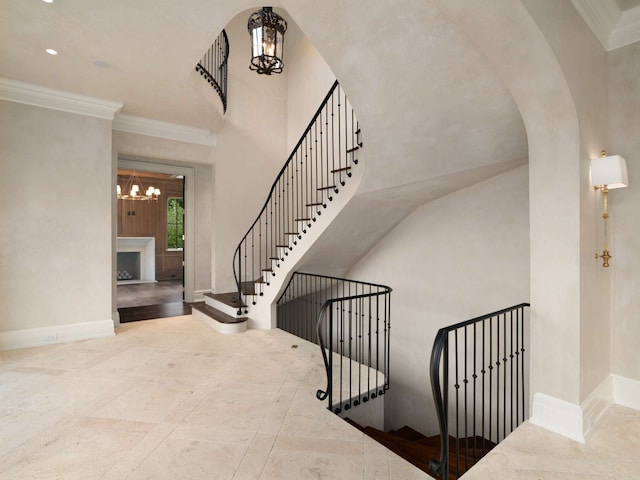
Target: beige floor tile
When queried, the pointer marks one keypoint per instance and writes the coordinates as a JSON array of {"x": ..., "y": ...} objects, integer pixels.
[
  {"x": 177, "y": 458},
  {"x": 147, "y": 401},
  {"x": 533, "y": 453},
  {"x": 306, "y": 458},
  {"x": 86, "y": 450},
  {"x": 255, "y": 459},
  {"x": 232, "y": 415},
  {"x": 18, "y": 426}
]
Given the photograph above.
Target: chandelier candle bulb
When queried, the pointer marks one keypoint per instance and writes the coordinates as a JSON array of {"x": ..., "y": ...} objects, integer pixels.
[{"x": 132, "y": 184}]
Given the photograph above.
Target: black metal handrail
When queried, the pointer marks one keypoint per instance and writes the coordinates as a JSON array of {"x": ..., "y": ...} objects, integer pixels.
[
  {"x": 351, "y": 322},
  {"x": 213, "y": 66},
  {"x": 318, "y": 166},
  {"x": 481, "y": 346}
]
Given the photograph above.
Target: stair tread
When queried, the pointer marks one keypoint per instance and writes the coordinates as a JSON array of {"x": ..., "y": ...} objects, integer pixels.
[
  {"x": 328, "y": 187},
  {"x": 302, "y": 219},
  {"x": 217, "y": 314},
  {"x": 229, "y": 298},
  {"x": 314, "y": 204},
  {"x": 353, "y": 149},
  {"x": 418, "y": 449},
  {"x": 340, "y": 169}
]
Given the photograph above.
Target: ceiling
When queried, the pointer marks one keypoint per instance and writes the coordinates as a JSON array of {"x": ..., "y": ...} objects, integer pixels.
[{"x": 143, "y": 53}]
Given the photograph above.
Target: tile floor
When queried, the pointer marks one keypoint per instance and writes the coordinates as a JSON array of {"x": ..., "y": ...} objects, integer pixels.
[
  {"x": 533, "y": 453},
  {"x": 172, "y": 399}
]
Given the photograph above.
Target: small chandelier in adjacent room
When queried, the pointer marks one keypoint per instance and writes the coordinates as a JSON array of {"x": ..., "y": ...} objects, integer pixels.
[
  {"x": 267, "y": 41},
  {"x": 132, "y": 188}
]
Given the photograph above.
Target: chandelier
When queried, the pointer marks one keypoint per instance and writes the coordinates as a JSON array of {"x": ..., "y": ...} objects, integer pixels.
[
  {"x": 134, "y": 186},
  {"x": 267, "y": 41}
]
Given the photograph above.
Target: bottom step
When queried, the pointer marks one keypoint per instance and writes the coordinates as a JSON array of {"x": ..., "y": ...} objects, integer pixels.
[{"x": 219, "y": 321}]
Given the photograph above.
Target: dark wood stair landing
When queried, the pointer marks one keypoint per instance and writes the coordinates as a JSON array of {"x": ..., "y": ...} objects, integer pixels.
[{"x": 151, "y": 312}]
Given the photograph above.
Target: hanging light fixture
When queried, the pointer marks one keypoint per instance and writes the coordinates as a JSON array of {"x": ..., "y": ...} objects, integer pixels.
[
  {"x": 266, "y": 29},
  {"x": 132, "y": 188}
]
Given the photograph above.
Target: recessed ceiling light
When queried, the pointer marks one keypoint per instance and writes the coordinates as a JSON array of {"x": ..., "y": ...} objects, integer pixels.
[
  {"x": 47, "y": 1},
  {"x": 51, "y": 51}
]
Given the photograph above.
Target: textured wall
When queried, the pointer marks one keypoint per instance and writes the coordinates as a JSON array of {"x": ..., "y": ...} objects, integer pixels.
[
  {"x": 624, "y": 98},
  {"x": 55, "y": 228},
  {"x": 455, "y": 258}
]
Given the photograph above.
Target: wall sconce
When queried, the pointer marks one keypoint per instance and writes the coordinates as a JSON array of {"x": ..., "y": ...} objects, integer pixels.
[
  {"x": 607, "y": 173},
  {"x": 266, "y": 29}
]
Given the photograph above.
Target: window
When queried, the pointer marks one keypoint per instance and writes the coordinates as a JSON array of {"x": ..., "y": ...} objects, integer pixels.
[{"x": 175, "y": 223}]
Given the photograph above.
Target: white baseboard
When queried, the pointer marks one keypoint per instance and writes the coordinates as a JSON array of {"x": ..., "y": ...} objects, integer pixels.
[
  {"x": 596, "y": 405},
  {"x": 626, "y": 391},
  {"x": 35, "y": 337},
  {"x": 562, "y": 417},
  {"x": 578, "y": 421}
]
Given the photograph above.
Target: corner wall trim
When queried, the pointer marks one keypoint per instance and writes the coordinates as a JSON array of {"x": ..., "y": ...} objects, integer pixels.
[
  {"x": 595, "y": 406},
  {"x": 35, "y": 337},
  {"x": 39, "y": 96},
  {"x": 562, "y": 417}
]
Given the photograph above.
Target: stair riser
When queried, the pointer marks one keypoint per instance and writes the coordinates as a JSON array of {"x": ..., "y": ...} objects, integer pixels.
[
  {"x": 224, "y": 328},
  {"x": 228, "y": 309}
]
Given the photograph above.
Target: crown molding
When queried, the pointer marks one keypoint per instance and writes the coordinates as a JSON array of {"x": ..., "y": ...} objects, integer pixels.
[
  {"x": 613, "y": 27},
  {"x": 156, "y": 128},
  {"x": 627, "y": 30},
  {"x": 45, "y": 97}
]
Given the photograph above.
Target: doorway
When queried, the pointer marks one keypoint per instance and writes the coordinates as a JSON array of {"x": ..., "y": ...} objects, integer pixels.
[{"x": 152, "y": 243}]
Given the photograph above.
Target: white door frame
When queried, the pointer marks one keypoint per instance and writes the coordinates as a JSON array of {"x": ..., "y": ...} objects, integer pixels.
[{"x": 189, "y": 220}]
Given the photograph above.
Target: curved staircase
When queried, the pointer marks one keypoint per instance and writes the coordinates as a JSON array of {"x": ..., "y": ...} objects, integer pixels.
[{"x": 315, "y": 183}]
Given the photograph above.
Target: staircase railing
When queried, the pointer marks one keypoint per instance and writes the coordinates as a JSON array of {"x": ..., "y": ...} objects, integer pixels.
[
  {"x": 485, "y": 356},
  {"x": 351, "y": 322},
  {"x": 317, "y": 168},
  {"x": 214, "y": 64}
]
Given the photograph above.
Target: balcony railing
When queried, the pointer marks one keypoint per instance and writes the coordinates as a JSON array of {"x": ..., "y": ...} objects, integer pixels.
[
  {"x": 214, "y": 65},
  {"x": 350, "y": 321},
  {"x": 485, "y": 358}
]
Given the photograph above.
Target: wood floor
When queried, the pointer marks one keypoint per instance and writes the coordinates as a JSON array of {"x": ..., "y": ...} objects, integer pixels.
[
  {"x": 149, "y": 312},
  {"x": 146, "y": 301}
]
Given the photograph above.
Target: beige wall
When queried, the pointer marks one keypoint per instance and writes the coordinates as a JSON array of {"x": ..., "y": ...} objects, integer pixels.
[
  {"x": 584, "y": 65},
  {"x": 455, "y": 258},
  {"x": 308, "y": 81},
  {"x": 624, "y": 111},
  {"x": 55, "y": 226}
]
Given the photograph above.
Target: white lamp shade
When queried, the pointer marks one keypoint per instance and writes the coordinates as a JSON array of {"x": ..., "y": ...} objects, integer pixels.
[{"x": 610, "y": 171}]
